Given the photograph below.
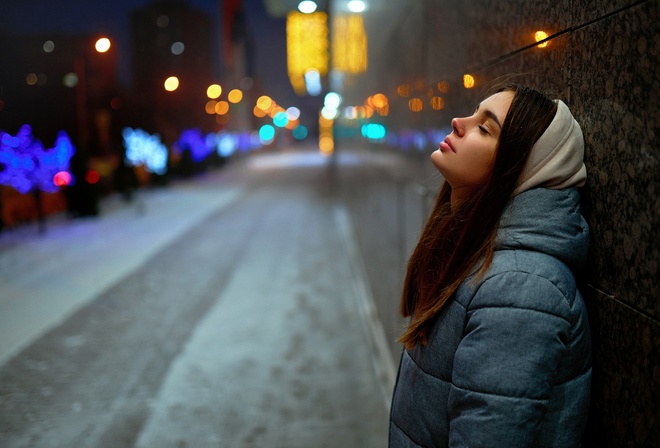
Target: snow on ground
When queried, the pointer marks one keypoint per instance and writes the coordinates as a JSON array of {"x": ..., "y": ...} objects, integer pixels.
[{"x": 45, "y": 278}]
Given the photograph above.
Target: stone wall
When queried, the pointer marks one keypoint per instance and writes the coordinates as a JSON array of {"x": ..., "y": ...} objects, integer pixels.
[{"x": 601, "y": 58}]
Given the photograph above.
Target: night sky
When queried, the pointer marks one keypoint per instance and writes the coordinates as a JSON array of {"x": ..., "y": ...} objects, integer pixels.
[{"x": 113, "y": 18}]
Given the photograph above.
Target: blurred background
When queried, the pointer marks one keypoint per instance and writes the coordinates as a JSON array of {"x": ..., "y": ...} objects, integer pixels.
[{"x": 106, "y": 99}]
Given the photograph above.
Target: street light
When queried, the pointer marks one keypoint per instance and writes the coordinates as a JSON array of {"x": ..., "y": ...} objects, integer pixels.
[
  {"x": 171, "y": 83},
  {"x": 102, "y": 45}
]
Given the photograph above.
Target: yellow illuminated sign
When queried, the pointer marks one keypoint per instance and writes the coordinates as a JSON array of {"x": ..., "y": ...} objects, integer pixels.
[
  {"x": 307, "y": 46},
  {"x": 349, "y": 44}
]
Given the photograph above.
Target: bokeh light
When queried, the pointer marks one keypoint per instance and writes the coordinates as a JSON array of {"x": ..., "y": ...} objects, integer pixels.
[
  {"x": 92, "y": 177},
  {"x": 332, "y": 100},
  {"x": 404, "y": 90},
  {"x": 300, "y": 132},
  {"x": 292, "y": 113},
  {"x": 195, "y": 143},
  {"x": 62, "y": 178},
  {"x": 171, "y": 83},
  {"x": 266, "y": 133},
  {"x": 235, "y": 96},
  {"x": 264, "y": 102},
  {"x": 221, "y": 107},
  {"x": 307, "y": 50},
  {"x": 349, "y": 44},
  {"x": 144, "y": 149},
  {"x": 539, "y": 36},
  {"x": 326, "y": 137},
  {"x": 210, "y": 107},
  {"x": 26, "y": 165},
  {"x": 415, "y": 104},
  {"x": 258, "y": 112},
  {"x": 468, "y": 81},
  {"x": 214, "y": 91},
  {"x": 373, "y": 131},
  {"x": 102, "y": 45},
  {"x": 329, "y": 113},
  {"x": 313, "y": 82},
  {"x": 307, "y": 6},
  {"x": 356, "y": 6},
  {"x": 177, "y": 48},
  {"x": 280, "y": 119},
  {"x": 226, "y": 144},
  {"x": 31, "y": 79},
  {"x": 437, "y": 103}
]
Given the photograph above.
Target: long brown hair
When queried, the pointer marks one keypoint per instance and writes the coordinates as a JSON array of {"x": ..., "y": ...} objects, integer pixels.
[{"x": 458, "y": 241}]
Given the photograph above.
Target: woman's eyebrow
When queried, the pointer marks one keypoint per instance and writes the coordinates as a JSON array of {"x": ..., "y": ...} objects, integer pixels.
[{"x": 490, "y": 114}]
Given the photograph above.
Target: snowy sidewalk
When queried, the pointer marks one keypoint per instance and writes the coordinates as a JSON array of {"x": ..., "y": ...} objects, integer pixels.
[{"x": 45, "y": 278}]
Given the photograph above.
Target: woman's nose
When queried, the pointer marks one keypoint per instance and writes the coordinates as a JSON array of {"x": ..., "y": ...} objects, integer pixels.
[{"x": 458, "y": 126}]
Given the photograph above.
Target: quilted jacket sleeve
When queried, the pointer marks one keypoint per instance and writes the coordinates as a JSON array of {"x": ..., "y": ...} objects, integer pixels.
[{"x": 515, "y": 334}]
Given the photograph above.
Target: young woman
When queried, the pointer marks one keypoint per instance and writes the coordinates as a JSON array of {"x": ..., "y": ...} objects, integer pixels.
[{"x": 497, "y": 350}]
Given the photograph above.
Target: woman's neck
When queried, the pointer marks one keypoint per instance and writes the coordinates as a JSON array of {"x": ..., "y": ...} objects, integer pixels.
[{"x": 458, "y": 196}]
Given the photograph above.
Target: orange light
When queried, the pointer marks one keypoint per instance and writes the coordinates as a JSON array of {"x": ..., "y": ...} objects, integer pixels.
[
  {"x": 379, "y": 100},
  {"x": 443, "y": 87},
  {"x": 210, "y": 107},
  {"x": 403, "y": 90},
  {"x": 539, "y": 36},
  {"x": 235, "y": 96},
  {"x": 221, "y": 107},
  {"x": 416, "y": 104},
  {"x": 437, "y": 103},
  {"x": 272, "y": 111},
  {"x": 468, "y": 81}
]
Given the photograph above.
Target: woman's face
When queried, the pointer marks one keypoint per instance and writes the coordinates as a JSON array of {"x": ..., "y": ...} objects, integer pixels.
[{"x": 466, "y": 156}]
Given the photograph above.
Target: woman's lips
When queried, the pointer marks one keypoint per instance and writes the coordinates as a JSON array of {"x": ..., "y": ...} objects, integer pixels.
[{"x": 446, "y": 145}]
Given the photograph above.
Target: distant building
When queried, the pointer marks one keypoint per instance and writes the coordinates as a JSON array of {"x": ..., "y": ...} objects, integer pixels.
[
  {"x": 58, "y": 82},
  {"x": 170, "y": 39}
]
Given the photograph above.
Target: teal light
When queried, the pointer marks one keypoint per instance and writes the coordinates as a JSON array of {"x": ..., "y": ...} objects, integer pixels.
[
  {"x": 280, "y": 119},
  {"x": 299, "y": 132},
  {"x": 266, "y": 133},
  {"x": 373, "y": 131}
]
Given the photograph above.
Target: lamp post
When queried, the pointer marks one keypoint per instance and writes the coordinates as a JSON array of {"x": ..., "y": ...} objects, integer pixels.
[{"x": 101, "y": 45}]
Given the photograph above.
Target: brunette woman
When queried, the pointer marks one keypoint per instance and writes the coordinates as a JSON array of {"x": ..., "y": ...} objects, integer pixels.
[{"x": 497, "y": 350}]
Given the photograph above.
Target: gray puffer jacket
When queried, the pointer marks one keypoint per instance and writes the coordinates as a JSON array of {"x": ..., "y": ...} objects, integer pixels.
[{"x": 508, "y": 362}]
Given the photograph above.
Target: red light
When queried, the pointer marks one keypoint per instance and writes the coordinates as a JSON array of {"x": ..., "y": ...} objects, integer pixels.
[
  {"x": 92, "y": 177},
  {"x": 62, "y": 179}
]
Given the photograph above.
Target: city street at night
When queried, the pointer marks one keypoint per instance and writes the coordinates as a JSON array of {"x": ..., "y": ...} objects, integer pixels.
[{"x": 230, "y": 310}]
